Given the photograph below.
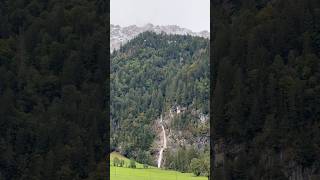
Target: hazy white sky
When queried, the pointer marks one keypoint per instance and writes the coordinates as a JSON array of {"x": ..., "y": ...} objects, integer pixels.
[{"x": 191, "y": 14}]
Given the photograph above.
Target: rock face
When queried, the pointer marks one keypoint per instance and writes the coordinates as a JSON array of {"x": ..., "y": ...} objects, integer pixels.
[
  {"x": 120, "y": 35},
  {"x": 179, "y": 138}
]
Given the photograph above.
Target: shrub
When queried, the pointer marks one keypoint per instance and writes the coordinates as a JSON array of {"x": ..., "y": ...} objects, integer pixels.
[
  {"x": 116, "y": 161},
  {"x": 121, "y": 163},
  {"x": 195, "y": 166},
  {"x": 145, "y": 166},
  {"x": 132, "y": 163}
]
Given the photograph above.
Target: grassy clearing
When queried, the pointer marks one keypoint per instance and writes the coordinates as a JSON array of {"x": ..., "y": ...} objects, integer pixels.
[{"x": 152, "y": 173}]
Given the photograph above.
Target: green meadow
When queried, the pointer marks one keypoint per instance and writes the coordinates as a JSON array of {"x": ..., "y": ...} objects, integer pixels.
[{"x": 151, "y": 173}]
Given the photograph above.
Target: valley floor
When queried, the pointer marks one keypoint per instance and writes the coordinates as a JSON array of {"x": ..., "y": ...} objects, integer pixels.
[
  {"x": 122, "y": 173},
  {"x": 151, "y": 173}
]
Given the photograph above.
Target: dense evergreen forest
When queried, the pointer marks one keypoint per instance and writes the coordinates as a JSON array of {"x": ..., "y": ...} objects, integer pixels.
[
  {"x": 53, "y": 70},
  {"x": 149, "y": 75},
  {"x": 266, "y": 89}
]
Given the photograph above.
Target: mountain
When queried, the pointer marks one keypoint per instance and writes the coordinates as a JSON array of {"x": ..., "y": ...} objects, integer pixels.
[
  {"x": 120, "y": 35},
  {"x": 160, "y": 100}
]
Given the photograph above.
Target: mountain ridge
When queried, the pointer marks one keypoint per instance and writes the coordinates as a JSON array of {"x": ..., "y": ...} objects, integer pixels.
[{"x": 120, "y": 35}]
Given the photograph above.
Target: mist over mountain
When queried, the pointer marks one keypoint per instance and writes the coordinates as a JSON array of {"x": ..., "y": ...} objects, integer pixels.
[{"x": 120, "y": 35}]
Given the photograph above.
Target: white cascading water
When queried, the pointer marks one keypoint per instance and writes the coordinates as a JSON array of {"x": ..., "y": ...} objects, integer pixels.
[{"x": 164, "y": 143}]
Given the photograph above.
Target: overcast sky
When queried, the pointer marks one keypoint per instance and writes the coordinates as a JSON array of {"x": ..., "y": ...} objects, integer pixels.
[{"x": 191, "y": 14}]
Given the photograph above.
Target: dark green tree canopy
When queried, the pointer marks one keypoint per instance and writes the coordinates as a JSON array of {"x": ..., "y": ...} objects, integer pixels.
[
  {"x": 53, "y": 65},
  {"x": 266, "y": 76}
]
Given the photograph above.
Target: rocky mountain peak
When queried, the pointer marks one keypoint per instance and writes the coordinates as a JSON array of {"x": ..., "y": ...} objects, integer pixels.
[{"x": 120, "y": 35}]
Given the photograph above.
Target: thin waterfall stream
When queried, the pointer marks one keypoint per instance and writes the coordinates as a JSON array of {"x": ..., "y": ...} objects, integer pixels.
[{"x": 164, "y": 143}]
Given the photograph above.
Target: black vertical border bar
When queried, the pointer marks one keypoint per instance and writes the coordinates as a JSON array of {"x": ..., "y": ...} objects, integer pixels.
[
  {"x": 212, "y": 83},
  {"x": 107, "y": 85}
]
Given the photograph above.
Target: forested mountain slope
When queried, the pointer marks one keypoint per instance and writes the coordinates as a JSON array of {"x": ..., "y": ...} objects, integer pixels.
[
  {"x": 153, "y": 75},
  {"x": 266, "y": 89},
  {"x": 53, "y": 70}
]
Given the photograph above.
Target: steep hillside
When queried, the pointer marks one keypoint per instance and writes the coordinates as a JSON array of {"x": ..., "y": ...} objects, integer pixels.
[
  {"x": 116, "y": 155},
  {"x": 153, "y": 75}
]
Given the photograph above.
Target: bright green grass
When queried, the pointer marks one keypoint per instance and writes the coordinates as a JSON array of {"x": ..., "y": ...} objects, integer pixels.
[{"x": 152, "y": 173}]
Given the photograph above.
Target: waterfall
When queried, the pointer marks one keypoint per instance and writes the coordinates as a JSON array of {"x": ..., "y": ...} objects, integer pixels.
[{"x": 164, "y": 143}]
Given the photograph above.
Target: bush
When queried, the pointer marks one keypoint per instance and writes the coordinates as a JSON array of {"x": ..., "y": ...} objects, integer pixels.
[
  {"x": 200, "y": 166},
  {"x": 196, "y": 166},
  {"x": 145, "y": 166},
  {"x": 116, "y": 161},
  {"x": 121, "y": 163},
  {"x": 132, "y": 163}
]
